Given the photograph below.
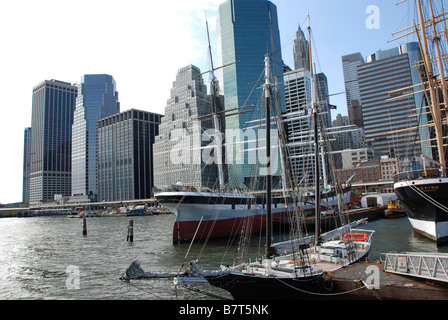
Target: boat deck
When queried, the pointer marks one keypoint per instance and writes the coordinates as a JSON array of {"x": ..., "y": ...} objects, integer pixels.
[{"x": 327, "y": 260}]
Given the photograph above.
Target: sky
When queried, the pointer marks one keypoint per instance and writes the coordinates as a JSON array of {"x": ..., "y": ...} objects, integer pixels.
[{"x": 143, "y": 44}]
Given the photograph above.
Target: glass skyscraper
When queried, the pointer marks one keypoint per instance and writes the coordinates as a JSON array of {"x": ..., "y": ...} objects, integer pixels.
[
  {"x": 97, "y": 98},
  {"x": 350, "y": 64},
  {"x": 51, "y": 127},
  {"x": 247, "y": 31}
]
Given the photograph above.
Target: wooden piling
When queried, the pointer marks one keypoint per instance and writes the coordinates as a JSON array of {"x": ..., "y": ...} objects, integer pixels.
[
  {"x": 84, "y": 226},
  {"x": 130, "y": 236}
]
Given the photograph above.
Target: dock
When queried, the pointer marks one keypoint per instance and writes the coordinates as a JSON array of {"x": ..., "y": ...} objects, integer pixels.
[{"x": 355, "y": 282}]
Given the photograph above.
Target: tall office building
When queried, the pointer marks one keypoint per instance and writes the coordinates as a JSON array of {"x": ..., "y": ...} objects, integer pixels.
[
  {"x": 26, "y": 165},
  {"x": 350, "y": 64},
  {"x": 183, "y": 136},
  {"x": 299, "y": 124},
  {"x": 301, "y": 51},
  {"x": 125, "y": 155},
  {"x": 246, "y": 31},
  {"x": 386, "y": 71},
  {"x": 51, "y": 125},
  {"x": 97, "y": 98}
]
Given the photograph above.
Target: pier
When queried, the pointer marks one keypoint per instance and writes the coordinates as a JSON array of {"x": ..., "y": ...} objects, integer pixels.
[
  {"x": 355, "y": 280},
  {"x": 89, "y": 208}
]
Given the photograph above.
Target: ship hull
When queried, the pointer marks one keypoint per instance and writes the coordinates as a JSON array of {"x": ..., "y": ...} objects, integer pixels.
[
  {"x": 208, "y": 215},
  {"x": 425, "y": 202},
  {"x": 203, "y": 215},
  {"x": 246, "y": 287}
]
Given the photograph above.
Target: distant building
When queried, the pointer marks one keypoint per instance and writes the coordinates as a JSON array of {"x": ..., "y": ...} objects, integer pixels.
[
  {"x": 352, "y": 157},
  {"x": 384, "y": 72},
  {"x": 347, "y": 136},
  {"x": 125, "y": 155},
  {"x": 301, "y": 51},
  {"x": 26, "y": 165},
  {"x": 182, "y": 135},
  {"x": 51, "y": 126},
  {"x": 350, "y": 63},
  {"x": 371, "y": 170},
  {"x": 97, "y": 98}
]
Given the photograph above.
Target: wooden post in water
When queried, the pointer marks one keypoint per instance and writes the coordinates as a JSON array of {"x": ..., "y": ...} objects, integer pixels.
[
  {"x": 131, "y": 231},
  {"x": 84, "y": 227}
]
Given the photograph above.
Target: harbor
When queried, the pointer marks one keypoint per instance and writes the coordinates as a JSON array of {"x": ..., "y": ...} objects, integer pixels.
[
  {"x": 281, "y": 228},
  {"x": 35, "y": 255}
]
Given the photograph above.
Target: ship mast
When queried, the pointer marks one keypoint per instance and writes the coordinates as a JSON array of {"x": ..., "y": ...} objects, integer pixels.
[
  {"x": 267, "y": 92},
  {"x": 316, "y": 144},
  {"x": 432, "y": 81},
  {"x": 216, "y": 121}
]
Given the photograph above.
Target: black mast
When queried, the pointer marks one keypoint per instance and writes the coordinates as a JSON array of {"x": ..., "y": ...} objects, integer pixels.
[
  {"x": 267, "y": 90},
  {"x": 315, "y": 110}
]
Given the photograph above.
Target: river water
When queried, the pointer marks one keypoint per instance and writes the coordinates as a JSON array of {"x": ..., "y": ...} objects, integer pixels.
[{"x": 50, "y": 258}]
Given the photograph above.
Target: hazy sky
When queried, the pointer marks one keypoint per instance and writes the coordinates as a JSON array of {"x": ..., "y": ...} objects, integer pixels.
[{"x": 143, "y": 44}]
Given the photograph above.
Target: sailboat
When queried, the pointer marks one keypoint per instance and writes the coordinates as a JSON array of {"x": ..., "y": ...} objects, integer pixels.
[
  {"x": 423, "y": 192},
  {"x": 296, "y": 268},
  {"x": 204, "y": 213}
]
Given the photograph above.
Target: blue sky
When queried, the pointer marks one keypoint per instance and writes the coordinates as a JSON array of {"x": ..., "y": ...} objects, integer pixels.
[{"x": 142, "y": 46}]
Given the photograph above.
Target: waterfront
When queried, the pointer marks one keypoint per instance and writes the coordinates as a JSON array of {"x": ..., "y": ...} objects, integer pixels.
[{"x": 36, "y": 252}]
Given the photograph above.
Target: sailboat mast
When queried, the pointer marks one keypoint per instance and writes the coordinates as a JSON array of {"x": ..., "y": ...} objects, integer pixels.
[
  {"x": 431, "y": 80},
  {"x": 316, "y": 144},
  {"x": 216, "y": 122},
  {"x": 267, "y": 91}
]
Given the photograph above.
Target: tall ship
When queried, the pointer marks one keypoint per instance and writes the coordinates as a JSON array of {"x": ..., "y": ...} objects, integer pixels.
[
  {"x": 424, "y": 191},
  {"x": 292, "y": 269},
  {"x": 203, "y": 213},
  {"x": 206, "y": 213}
]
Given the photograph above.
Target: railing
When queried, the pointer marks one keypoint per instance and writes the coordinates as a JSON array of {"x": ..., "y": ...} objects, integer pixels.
[
  {"x": 427, "y": 173},
  {"x": 433, "y": 266}
]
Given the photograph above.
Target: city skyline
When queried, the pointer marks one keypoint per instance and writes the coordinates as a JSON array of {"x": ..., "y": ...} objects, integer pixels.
[{"x": 146, "y": 61}]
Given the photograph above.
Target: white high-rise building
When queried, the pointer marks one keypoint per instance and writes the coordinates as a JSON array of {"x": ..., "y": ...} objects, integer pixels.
[{"x": 183, "y": 136}]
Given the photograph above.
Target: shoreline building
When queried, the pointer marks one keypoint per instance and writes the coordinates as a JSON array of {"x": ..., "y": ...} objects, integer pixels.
[
  {"x": 51, "y": 125},
  {"x": 26, "y": 165},
  {"x": 97, "y": 98},
  {"x": 386, "y": 71},
  {"x": 246, "y": 30},
  {"x": 125, "y": 155},
  {"x": 182, "y": 139}
]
